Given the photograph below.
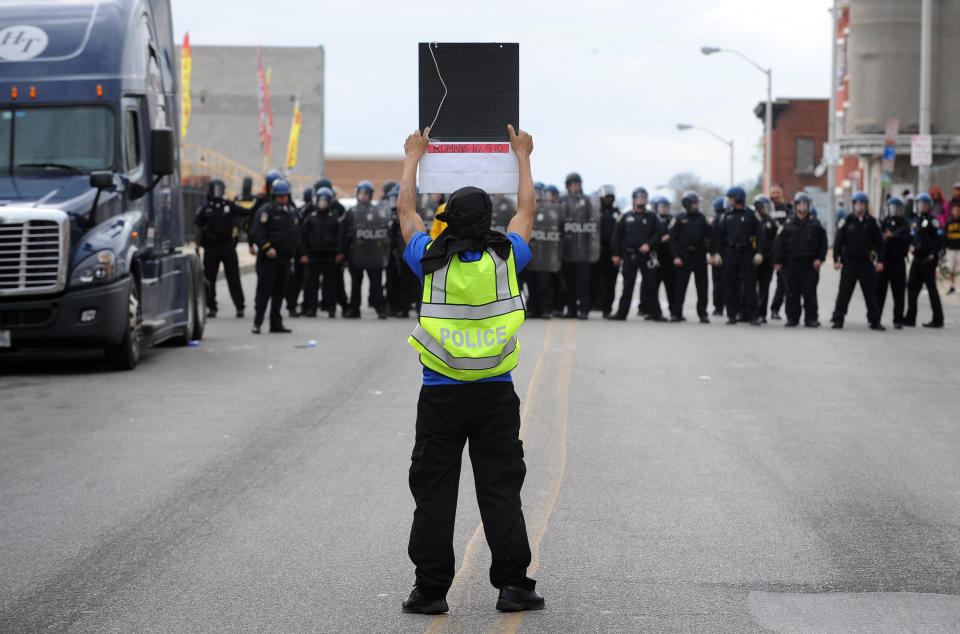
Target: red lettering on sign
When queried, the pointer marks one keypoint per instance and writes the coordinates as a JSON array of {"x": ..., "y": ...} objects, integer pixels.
[{"x": 468, "y": 148}]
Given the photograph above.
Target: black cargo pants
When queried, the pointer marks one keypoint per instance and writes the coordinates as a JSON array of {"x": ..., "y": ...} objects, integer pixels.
[{"x": 488, "y": 414}]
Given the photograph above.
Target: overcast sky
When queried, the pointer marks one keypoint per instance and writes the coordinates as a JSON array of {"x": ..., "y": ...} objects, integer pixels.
[{"x": 600, "y": 90}]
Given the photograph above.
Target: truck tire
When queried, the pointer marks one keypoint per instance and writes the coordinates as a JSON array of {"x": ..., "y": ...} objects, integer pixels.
[
  {"x": 196, "y": 304},
  {"x": 200, "y": 301},
  {"x": 126, "y": 354}
]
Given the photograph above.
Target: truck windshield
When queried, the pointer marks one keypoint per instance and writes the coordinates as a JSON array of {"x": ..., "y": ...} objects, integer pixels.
[{"x": 74, "y": 139}]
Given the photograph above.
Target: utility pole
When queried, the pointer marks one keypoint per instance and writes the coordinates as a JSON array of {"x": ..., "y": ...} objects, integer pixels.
[
  {"x": 832, "y": 125},
  {"x": 926, "y": 38}
]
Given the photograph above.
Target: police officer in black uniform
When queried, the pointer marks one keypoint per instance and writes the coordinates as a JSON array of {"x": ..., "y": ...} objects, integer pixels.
[
  {"x": 319, "y": 233},
  {"x": 339, "y": 211},
  {"x": 690, "y": 241},
  {"x": 217, "y": 234},
  {"x": 604, "y": 274},
  {"x": 581, "y": 246},
  {"x": 259, "y": 201},
  {"x": 896, "y": 235},
  {"x": 634, "y": 242},
  {"x": 666, "y": 272},
  {"x": 927, "y": 249},
  {"x": 546, "y": 241},
  {"x": 763, "y": 206},
  {"x": 782, "y": 211},
  {"x": 797, "y": 252},
  {"x": 365, "y": 245},
  {"x": 736, "y": 244},
  {"x": 858, "y": 253},
  {"x": 716, "y": 263},
  {"x": 296, "y": 284},
  {"x": 274, "y": 232}
]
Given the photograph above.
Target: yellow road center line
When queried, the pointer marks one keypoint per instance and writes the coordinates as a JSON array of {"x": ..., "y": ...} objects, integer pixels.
[
  {"x": 471, "y": 553},
  {"x": 508, "y": 623}
]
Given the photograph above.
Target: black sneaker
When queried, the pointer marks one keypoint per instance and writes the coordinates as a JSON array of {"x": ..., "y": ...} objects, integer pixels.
[
  {"x": 933, "y": 324},
  {"x": 756, "y": 321},
  {"x": 837, "y": 325},
  {"x": 294, "y": 313},
  {"x": 211, "y": 313},
  {"x": 775, "y": 316},
  {"x": 732, "y": 322},
  {"x": 514, "y": 599},
  {"x": 704, "y": 319},
  {"x": 255, "y": 329},
  {"x": 583, "y": 315},
  {"x": 718, "y": 313},
  {"x": 676, "y": 318},
  {"x": 416, "y": 603},
  {"x": 280, "y": 329},
  {"x": 791, "y": 324},
  {"x": 239, "y": 313},
  {"x": 617, "y": 317},
  {"x": 811, "y": 324},
  {"x": 879, "y": 326}
]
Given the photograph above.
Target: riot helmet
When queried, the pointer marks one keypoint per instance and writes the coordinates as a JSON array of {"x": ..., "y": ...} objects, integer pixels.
[
  {"x": 271, "y": 176},
  {"x": 661, "y": 205},
  {"x": 308, "y": 196},
  {"x": 737, "y": 196},
  {"x": 763, "y": 205},
  {"x": 860, "y": 202},
  {"x": 690, "y": 202},
  {"x": 894, "y": 206},
  {"x": 324, "y": 197},
  {"x": 551, "y": 193},
  {"x": 364, "y": 191},
  {"x": 573, "y": 179},
  {"x": 801, "y": 203},
  {"x": 924, "y": 203},
  {"x": 215, "y": 189}
]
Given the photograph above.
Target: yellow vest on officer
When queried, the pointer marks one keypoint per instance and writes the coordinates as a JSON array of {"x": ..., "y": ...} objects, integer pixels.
[{"x": 469, "y": 317}]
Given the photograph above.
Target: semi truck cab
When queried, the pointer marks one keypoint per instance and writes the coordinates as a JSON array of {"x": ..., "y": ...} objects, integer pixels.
[{"x": 90, "y": 206}]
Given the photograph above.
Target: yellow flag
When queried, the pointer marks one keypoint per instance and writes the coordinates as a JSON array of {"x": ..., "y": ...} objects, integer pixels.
[
  {"x": 186, "y": 64},
  {"x": 294, "y": 136}
]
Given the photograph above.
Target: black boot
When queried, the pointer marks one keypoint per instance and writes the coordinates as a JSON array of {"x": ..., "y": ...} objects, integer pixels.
[
  {"x": 416, "y": 603},
  {"x": 516, "y": 599}
]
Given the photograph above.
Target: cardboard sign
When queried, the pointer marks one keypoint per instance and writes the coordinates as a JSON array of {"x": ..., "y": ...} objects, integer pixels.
[{"x": 468, "y": 95}]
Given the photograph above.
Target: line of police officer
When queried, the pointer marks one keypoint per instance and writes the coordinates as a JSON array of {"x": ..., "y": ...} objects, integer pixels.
[{"x": 579, "y": 246}]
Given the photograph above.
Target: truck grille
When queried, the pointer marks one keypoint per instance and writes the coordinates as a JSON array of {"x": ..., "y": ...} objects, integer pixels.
[{"x": 32, "y": 254}]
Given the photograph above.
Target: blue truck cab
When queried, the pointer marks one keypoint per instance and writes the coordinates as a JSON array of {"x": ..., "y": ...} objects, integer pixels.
[{"x": 90, "y": 205}]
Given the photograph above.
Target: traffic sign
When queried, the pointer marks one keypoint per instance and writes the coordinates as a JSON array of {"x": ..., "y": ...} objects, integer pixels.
[{"x": 921, "y": 150}]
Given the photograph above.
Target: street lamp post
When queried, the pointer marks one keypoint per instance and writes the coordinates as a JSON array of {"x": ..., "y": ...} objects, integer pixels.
[
  {"x": 687, "y": 126},
  {"x": 768, "y": 119}
]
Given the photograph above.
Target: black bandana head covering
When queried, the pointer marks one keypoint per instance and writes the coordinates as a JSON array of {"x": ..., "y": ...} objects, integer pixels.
[{"x": 468, "y": 215}]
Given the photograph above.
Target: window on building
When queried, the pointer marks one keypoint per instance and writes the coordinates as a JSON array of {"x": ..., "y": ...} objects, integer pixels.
[{"x": 803, "y": 158}]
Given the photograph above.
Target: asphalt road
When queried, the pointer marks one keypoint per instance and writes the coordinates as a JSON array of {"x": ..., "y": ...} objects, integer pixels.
[{"x": 681, "y": 477}]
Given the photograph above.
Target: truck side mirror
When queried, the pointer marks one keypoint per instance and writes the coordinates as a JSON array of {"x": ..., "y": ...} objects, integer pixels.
[
  {"x": 162, "y": 151},
  {"x": 101, "y": 180}
]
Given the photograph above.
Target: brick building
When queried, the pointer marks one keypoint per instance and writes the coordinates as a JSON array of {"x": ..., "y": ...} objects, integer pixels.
[
  {"x": 799, "y": 132},
  {"x": 346, "y": 171}
]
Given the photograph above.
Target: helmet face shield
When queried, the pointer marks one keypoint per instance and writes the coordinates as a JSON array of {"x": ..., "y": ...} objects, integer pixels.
[
  {"x": 663, "y": 208},
  {"x": 363, "y": 195},
  {"x": 216, "y": 189},
  {"x": 894, "y": 209},
  {"x": 802, "y": 206},
  {"x": 860, "y": 207}
]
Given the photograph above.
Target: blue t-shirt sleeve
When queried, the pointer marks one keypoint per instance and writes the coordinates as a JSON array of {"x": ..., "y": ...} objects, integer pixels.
[
  {"x": 521, "y": 252},
  {"x": 414, "y": 253}
]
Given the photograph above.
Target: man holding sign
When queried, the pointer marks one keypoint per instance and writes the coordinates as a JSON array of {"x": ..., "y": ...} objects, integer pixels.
[{"x": 467, "y": 342}]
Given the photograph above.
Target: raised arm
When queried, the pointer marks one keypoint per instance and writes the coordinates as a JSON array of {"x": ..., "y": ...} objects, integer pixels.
[
  {"x": 522, "y": 223},
  {"x": 410, "y": 223}
]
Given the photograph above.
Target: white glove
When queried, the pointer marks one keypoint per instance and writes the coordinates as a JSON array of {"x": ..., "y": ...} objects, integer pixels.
[
  {"x": 718, "y": 260},
  {"x": 757, "y": 259}
]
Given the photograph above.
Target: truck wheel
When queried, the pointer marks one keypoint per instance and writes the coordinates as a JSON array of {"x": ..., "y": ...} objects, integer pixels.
[
  {"x": 126, "y": 354},
  {"x": 196, "y": 304},
  {"x": 200, "y": 302}
]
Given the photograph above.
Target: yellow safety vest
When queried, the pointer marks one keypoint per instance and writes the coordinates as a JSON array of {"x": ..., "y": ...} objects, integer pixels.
[{"x": 469, "y": 317}]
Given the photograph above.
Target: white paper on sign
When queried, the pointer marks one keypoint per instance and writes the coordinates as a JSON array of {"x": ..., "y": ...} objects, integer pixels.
[{"x": 446, "y": 167}]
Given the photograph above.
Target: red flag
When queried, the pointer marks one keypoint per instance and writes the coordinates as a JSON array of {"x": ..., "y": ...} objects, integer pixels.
[
  {"x": 266, "y": 150},
  {"x": 261, "y": 98}
]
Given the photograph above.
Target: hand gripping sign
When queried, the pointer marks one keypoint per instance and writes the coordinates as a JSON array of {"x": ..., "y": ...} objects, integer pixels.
[{"x": 468, "y": 95}]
